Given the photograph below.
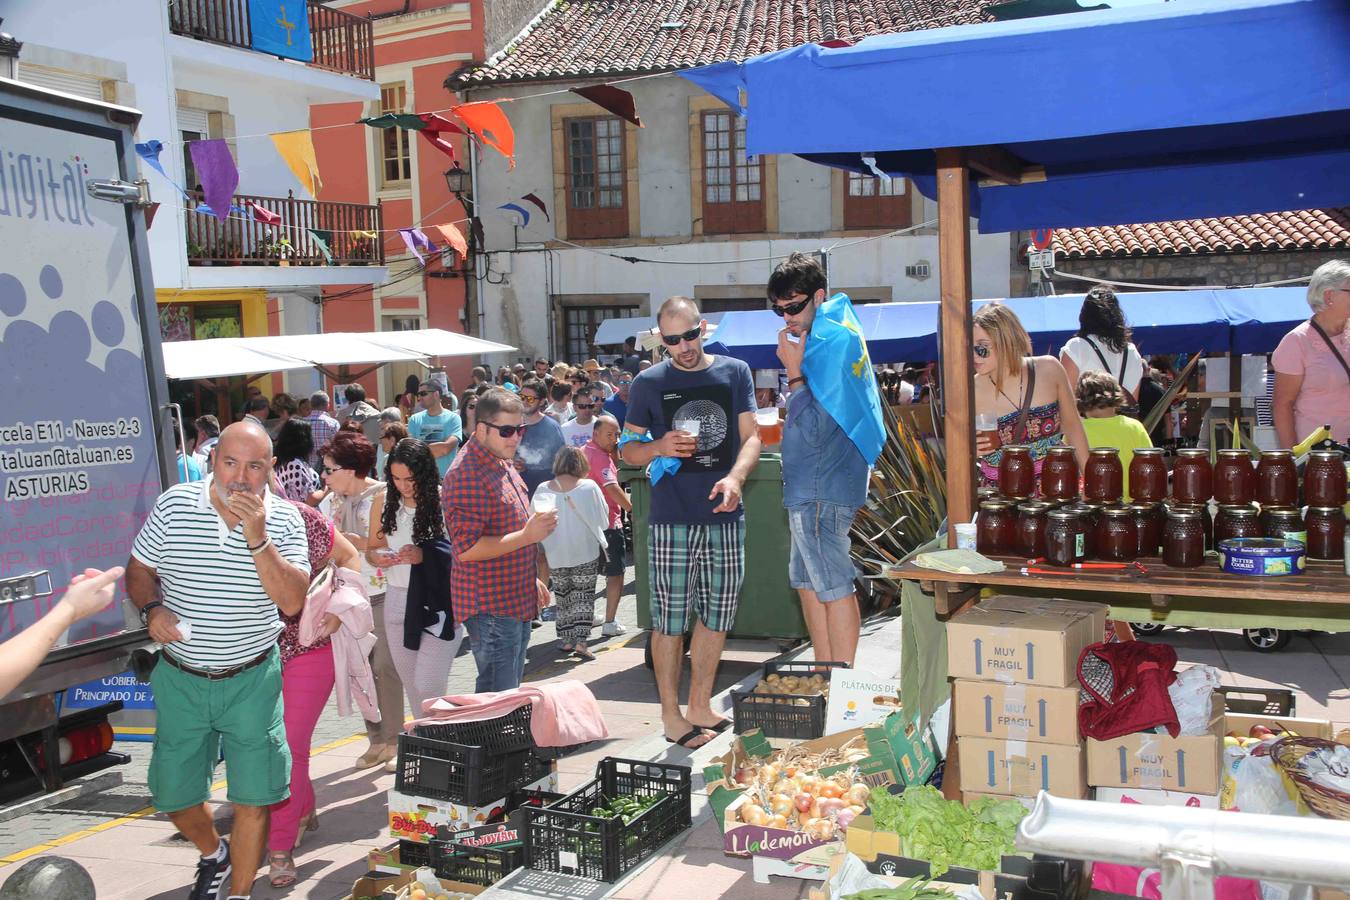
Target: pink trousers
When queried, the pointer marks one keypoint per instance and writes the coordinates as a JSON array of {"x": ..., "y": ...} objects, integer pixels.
[{"x": 306, "y": 682}]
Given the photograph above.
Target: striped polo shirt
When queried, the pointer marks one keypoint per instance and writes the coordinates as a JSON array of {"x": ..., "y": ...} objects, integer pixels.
[{"x": 208, "y": 577}]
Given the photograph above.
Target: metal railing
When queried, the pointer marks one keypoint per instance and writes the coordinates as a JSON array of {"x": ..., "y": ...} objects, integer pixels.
[
  {"x": 238, "y": 241},
  {"x": 340, "y": 41}
]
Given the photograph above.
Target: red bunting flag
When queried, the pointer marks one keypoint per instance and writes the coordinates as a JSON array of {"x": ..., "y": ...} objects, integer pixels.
[
  {"x": 612, "y": 99},
  {"x": 533, "y": 198},
  {"x": 434, "y": 128},
  {"x": 490, "y": 125},
  {"x": 266, "y": 216}
]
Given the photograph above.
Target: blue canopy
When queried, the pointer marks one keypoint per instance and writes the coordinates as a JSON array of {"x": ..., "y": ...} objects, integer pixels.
[
  {"x": 1168, "y": 111},
  {"x": 1240, "y": 320}
]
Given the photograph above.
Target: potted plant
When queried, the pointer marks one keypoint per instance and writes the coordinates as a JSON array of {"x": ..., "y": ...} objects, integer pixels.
[{"x": 196, "y": 254}]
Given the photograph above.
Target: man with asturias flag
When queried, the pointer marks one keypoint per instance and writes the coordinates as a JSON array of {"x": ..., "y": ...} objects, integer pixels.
[{"x": 833, "y": 434}]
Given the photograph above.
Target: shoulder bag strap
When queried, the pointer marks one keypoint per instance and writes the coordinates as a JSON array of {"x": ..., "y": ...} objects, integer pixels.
[
  {"x": 1332, "y": 344},
  {"x": 1020, "y": 429}
]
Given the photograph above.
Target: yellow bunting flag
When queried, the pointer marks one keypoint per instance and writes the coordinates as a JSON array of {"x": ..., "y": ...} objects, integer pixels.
[{"x": 297, "y": 149}]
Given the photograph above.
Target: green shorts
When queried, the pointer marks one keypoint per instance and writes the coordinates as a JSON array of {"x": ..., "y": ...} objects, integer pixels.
[
  {"x": 696, "y": 570},
  {"x": 195, "y": 719}
]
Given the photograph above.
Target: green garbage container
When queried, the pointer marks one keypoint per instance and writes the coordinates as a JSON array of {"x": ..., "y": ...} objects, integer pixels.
[{"x": 769, "y": 607}]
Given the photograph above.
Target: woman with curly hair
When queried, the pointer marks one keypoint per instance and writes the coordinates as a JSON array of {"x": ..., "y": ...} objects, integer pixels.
[
  {"x": 1103, "y": 345},
  {"x": 295, "y": 442},
  {"x": 404, "y": 524}
]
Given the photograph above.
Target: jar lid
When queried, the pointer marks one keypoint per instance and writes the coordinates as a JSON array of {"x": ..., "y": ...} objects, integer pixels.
[
  {"x": 1235, "y": 452},
  {"x": 1238, "y": 509},
  {"x": 1117, "y": 512},
  {"x": 1034, "y": 506},
  {"x": 1062, "y": 515},
  {"x": 1326, "y": 510},
  {"x": 1104, "y": 451},
  {"x": 1060, "y": 450},
  {"x": 1144, "y": 507},
  {"x": 1084, "y": 506},
  {"x": 1334, "y": 455},
  {"x": 1147, "y": 451},
  {"x": 996, "y": 505},
  {"x": 1193, "y": 452},
  {"x": 1017, "y": 448},
  {"x": 1183, "y": 512},
  {"x": 1277, "y": 454},
  {"x": 1281, "y": 511}
]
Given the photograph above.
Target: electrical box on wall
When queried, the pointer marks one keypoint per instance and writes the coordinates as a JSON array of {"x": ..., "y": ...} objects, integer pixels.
[{"x": 502, "y": 262}]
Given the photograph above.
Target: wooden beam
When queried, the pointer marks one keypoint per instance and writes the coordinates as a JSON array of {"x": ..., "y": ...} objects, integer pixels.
[
  {"x": 998, "y": 164},
  {"x": 958, "y": 386}
]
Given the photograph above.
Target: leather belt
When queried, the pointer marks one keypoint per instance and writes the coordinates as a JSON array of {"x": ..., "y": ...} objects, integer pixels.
[{"x": 217, "y": 674}]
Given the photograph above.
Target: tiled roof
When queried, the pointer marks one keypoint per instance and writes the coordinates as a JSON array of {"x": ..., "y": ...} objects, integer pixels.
[
  {"x": 581, "y": 38},
  {"x": 1306, "y": 229}
]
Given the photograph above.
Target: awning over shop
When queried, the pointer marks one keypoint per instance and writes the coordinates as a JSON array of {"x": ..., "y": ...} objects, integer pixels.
[
  {"x": 1164, "y": 111},
  {"x": 612, "y": 332},
  {"x": 329, "y": 353}
]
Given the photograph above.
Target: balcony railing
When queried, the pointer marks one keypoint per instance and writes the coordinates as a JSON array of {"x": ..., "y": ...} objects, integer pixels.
[
  {"x": 340, "y": 41},
  {"x": 237, "y": 241}
]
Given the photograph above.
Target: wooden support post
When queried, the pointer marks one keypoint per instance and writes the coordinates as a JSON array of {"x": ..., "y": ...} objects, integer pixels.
[{"x": 958, "y": 387}]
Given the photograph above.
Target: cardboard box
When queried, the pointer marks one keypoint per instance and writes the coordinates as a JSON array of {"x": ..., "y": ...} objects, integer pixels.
[
  {"x": 1190, "y": 763},
  {"x": 373, "y": 887},
  {"x": 1023, "y": 640},
  {"x": 1152, "y": 797},
  {"x": 914, "y": 751},
  {"x": 417, "y": 818},
  {"x": 1021, "y": 768},
  {"x": 1242, "y": 724},
  {"x": 858, "y": 699},
  {"x": 1023, "y": 712}
]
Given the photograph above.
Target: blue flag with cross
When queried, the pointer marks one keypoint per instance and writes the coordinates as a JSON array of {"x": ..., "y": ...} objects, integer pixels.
[
  {"x": 281, "y": 27},
  {"x": 839, "y": 372}
]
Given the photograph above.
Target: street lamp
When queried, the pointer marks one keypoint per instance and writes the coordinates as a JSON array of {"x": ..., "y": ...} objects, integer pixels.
[{"x": 457, "y": 180}]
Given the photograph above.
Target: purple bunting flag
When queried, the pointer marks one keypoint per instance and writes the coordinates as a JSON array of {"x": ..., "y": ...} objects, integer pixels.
[{"x": 216, "y": 169}]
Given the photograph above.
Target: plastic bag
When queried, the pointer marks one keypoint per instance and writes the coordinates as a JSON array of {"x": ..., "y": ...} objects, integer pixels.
[
  {"x": 1261, "y": 786},
  {"x": 1192, "y": 695}
]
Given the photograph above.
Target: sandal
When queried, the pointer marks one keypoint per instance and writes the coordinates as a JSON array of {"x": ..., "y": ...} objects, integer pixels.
[
  {"x": 310, "y": 823},
  {"x": 584, "y": 652},
  {"x": 281, "y": 870}
]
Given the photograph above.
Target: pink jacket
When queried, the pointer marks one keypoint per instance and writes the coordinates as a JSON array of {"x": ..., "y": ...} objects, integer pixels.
[
  {"x": 564, "y": 713},
  {"x": 352, "y": 643}
]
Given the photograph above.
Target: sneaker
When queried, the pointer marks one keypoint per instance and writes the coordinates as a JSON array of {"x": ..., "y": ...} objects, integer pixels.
[
  {"x": 612, "y": 629},
  {"x": 213, "y": 875}
]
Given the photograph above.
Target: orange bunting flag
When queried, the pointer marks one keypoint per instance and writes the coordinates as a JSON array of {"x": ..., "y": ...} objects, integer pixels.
[
  {"x": 490, "y": 125},
  {"x": 297, "y": 149},
  {"x": 454, "y": 237}
]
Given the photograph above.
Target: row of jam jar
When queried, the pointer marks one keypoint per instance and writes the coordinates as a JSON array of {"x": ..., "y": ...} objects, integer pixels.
[
  {"x": 1181, "y": 533},
  {"x": 1231, "y": 481}
]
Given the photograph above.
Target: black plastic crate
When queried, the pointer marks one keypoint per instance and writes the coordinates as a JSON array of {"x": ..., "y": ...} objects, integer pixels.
[
  {"x": 1256, "y": 701},
  {"x": 459, "y": 773},
  {"x": 500, "y": 735},
  {"x": 413, "y": 853},
  {"x": 474, "y": 865},
  {"x": 565, "y": 838},
  {"x": 783, "y": 715}
]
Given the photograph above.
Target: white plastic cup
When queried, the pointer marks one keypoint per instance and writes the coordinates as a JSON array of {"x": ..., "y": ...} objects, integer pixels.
[
  {"x": 767, "y": 416},
  {"x": 689, "y": 426},
  {"x": 965, "y": 535},
  {"x": 546, "y": 503},
  {"x": 185, "y": 629}
]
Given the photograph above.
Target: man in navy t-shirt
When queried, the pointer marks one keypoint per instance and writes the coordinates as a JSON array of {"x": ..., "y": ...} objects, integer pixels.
[{"x": 699, "y": 409}]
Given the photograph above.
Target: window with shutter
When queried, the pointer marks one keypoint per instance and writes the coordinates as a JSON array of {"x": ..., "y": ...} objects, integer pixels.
[
  {"x": 597, "y": 202},
  {"x": 733, "y": 184},
  {"x": 88, "y": 86},
  {"x": 396, "y": 157},
  {"x": 871, "y": 202}
]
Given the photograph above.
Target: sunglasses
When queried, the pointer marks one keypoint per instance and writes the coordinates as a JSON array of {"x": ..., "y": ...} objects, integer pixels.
[
  {"x": 583, "y": 406},
  {"x": 471, "y": 407},
  {"x": 327, "y": 470},
  {"x": 424, "y": 393},
  {"x": 982, "y": 351},
  {"x": 506, "y": 431},
  {"x": 674, "y": 340},
  {"x": 790, "y": 309}
]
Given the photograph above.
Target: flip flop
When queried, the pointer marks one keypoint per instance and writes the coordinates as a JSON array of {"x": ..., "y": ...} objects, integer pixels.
[
  {"x": 684, "y": 741},
  {"x": 719, "y": 727},
  {"x": 581, "y": 651}
]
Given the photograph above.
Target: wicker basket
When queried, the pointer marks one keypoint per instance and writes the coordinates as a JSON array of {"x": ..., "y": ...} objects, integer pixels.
[{"x": 1324, "y": 801}]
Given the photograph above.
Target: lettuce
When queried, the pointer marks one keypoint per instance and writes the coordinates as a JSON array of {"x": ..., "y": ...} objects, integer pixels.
[{"x": 944, "y": 832}]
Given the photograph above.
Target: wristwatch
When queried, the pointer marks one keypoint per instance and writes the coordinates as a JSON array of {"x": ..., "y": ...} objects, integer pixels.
[{"x": 145, "y": 610}]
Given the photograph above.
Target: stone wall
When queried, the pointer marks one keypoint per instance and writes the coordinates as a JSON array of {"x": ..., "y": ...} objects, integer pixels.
[
  {"x": 1227, "y": 269},
  {"x": 504, "y": 19}
]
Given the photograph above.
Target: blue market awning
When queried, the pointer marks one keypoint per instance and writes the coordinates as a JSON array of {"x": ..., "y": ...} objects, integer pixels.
[
  {"x": 1260, "y": 317},
  {"x": 1172, "y": 111}
]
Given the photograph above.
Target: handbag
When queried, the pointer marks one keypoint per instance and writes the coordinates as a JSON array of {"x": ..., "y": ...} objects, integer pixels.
[
  {"x": 1131, "y": 408},
  {"x": 1335, "y": 351}
]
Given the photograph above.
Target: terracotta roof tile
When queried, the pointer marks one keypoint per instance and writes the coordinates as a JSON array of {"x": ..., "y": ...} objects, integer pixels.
[
  {"x": 1307, "y": 229},
  {"x": 586, "y": 38}
]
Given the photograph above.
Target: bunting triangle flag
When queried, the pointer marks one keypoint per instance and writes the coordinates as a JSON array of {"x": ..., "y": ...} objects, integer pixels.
[
  {"x": 490, "y": 125},
  {"x": 407, "y": 121},
  {"x": 533, "y": 198},
  {"x": 297, "y": 149},
  {"x": 524, "y": 213},
  {"x": 368, "y": 235},
  {"x": 323, "y": 239},
  {"x": 476, "y": 229},
  {"x": 612, "y": 99},
  {"x": 150, "y": 151},
  {"x": 434, "y": 127},
  {"x": 406, "y": 234},
  {"x": 266, "y": 216},
  {"x": 451, "y": 234}
]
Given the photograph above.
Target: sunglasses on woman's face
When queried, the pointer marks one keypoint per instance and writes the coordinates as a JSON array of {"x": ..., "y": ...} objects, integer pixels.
[
  {"x": 674, "y": 340},
  {"x": 982, "y": 351},
  {"x": 583, "y": 406},
  {"x": 506, "y": 431},
  {"x": 790, "y": 309},
  {"x": 471, "y": 407}
]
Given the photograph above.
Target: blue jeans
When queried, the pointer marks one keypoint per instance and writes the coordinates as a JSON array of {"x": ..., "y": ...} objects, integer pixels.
[
  {"x": 499, "y": 645},
  {"x": 819, "y": 559}
]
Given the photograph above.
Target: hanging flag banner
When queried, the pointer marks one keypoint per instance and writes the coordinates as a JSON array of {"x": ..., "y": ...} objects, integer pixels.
[
  {"x": 612, "y": 99},
  {"x": 297, "y": 149},
  {"x": 323, "y": 239},
  {"x": 409, "y": 121},
  {"x": 281, "y": 27},
  {"x": 150, "y": 215},
  {"x": 524, "y": 213},
  {"x": 216, "y": 171},
  {"x": 476, "y": 229},
  {"x": 415, "y": 238},
  {"x": 533, "y": 198},
  {"x": 451, "y": 234},
  {"x": 433, "y": 127},
  {"x": 490, "y": 125},
  {"x": 266, "y": 216},
  {"x": 368, "y": 235},
  {"x": 150, "y": 151}
]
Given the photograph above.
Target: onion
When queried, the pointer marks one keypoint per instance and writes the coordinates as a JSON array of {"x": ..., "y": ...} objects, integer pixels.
[
  {"x": 808, "y": 783},
  {"x": 778, "y": 822},
  {"x": 858, "y": 794},
  {"x": 754, "y": 814},
  {"x": 857, "y": 810},
  {"x": 803, "y": 801},
  {"x": 781, "y": 804},
  {"x": 745, "y": 775},
  {"x": 830, "y": 805},
  {"x": 768, "y": 774},
  {"x": 845, "y": 816}
]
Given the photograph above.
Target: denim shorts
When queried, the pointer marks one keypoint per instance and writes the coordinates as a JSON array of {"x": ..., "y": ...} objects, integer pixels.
[{"x": 819, "y": 560}]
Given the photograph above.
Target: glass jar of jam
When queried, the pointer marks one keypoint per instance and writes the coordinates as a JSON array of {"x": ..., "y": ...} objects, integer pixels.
[
  {"x": 1200, "y": 509},
  {"x": 1091, "y": 514},
  {"x": 1063, "y": 537},
  {"x": 987, "y": 493},
  {"x": 1234, "y": 478},
  {"x": 1284, "y": 522},
  {"x": 1148, "y": 475},
  {"x": 1017, "y": 471},
  {"x": 1236, "y": 521},
  {"x": 1030, "y": 529},
  {"x": 1148, "y": 524},
  {"x": 1183, "y": 539},
  {"x": 1059, "y": 474},
  {"x": 1326, "y": 532},
  {"x": 1324, "y": 479},
  {"x": 1192, "y": 476},
  {"x": 995, "y": 528},
  {"x": 1277, "y": 479},
  {"x": 1103, "y": 477},
  {"x": 1117, "y": 535}
]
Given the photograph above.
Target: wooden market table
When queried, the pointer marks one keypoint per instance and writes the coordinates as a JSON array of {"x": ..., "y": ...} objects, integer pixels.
[{"x": 1318, "y": 599}]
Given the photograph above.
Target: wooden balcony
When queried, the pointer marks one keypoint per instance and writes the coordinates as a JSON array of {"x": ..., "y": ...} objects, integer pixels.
[
  {"x": 238, "y": 241},
  {"x": 340, "y": 41}
]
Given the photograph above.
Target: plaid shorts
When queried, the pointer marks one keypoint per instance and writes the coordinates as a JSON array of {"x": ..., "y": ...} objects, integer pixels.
[{"x": 698, "y": 568}]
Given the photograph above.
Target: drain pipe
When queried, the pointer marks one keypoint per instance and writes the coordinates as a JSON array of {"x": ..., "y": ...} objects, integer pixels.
[{"x": 1191, "y": 847}]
